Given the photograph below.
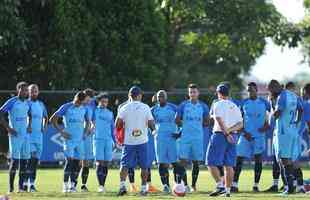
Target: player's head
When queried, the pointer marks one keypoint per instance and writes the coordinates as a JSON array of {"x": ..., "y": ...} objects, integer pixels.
[
  {"x": 103, "y": 99},
  {"x": 22, "y": 89},
  {"x": 90, "y": 93},
  {"x": 162, "y": 96},
  {"x": 33, "y": 90},
  {"x": 291, "y": 86},
  {"x": 306, "y": 91},
  {"x": 135, "y": 93},
  {"x": 222, "y": 91},
  {"x": 193, "y": 91},
  {"x": 252, "y": 89},
  {"x": 274, "y": 87},
  {"x": 80, "y": 98}
]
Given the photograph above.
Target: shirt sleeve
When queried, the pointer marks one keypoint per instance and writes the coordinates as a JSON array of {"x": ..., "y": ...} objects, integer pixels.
[
  {"x": 113, "y": 128},
  {"x": 62, "y": 110},
  {"x": 87, "y": 114},
  {"x": 44, "y": 110},
  {"x": 180, "y": 110},
  {"x": 8, "y": 105},
  {"x": 121, "y": 113},
  {"x": 205, "y": 110},
  {"x": 93, "y": 117},
  {"x": 149, "y": 114},
  {"x": 306, "y": 112},
  {"x": 281, "y": 101},
  {"x": 217, "y": 111}
]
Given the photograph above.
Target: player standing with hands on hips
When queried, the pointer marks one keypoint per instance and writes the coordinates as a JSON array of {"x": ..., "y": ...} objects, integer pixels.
[
  {"x": 222, "y": 147},
  {"x": 135, "y": 117}
]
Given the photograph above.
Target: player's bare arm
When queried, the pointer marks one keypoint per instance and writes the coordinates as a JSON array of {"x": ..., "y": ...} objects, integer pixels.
[
  {"x": 5, "y": 124},
  {"x": 54, "y": 120}
]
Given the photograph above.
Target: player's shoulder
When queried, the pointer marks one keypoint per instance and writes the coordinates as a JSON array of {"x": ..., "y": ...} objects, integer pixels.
[
  {"x": 184, "y": 103},
  {"x": 67, "y": 105},
  {"x": 172, "y": 106},
  {"x": 12, "y": 100}
]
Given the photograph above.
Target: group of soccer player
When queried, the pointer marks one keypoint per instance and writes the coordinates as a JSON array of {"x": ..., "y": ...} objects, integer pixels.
[{"x": 174, "y": 136}]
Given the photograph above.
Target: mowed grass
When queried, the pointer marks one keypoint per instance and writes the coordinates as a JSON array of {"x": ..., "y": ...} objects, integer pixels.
[{"x": 49, "y": 184}]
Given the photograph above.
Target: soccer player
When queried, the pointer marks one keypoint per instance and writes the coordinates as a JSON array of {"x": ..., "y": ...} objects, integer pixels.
[
  {"x": 135, "y": 117},
  {"x": 39, "y": 122},
  {"x": 165, "y": 141},
  {"x": 192, "y": 115},
  {"x": 103, "y": 125},
  {"x": 88, "y": 140},
  {"x": 222, "y": 149},
  {"x": 75, "y": 117},
  {"x": 18, "y": 110},
  {"x": 285, "y": 134},
  {"x": 251, "y": 143}
]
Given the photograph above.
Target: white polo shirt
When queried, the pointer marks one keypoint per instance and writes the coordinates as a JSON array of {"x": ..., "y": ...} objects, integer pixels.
[
  {"x": 135, "y": 115},
  {"x": 228, "y": 112}
]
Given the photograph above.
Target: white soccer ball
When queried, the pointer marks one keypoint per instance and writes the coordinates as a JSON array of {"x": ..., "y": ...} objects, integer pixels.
[{"x": 179, "y": 190}]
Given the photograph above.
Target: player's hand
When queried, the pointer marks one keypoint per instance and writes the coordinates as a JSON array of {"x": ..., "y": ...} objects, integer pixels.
[
  {"x": 118, "y": 146},
  {"x": 65, "y": 135},
  {"x": 12, "y": 131},
  {"x": 230, "y": 139},
  {"x": 248, "y": 136},
  {"x": 29, "y": 130},
  {"x": 264, "y": 128}
]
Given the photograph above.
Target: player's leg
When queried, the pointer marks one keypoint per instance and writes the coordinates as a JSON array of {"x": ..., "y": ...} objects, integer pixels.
[
  {"x": 79, "y": 155},
  {"x": 24, "y": 163},
  {"x": 237, "y": 172},
  {"x": 88, "y": 148},
  {"x": 128, "y": 160},
  {"x": 197, "y": 157},
  {"x": 275, "y": 175},
  {"x": 14, "y": 149},
  {"x": 185, "y": 149},
  {"x": 144, "y": 164},
  {"x": 229, "y": 163},
  {"x": 68, "y": 168},
  {"x": 36, "y": 151},
  {"x": 289, "y": 173},
  {"x": 258, "y": 168},
  {"x": 215, "y": 158}
]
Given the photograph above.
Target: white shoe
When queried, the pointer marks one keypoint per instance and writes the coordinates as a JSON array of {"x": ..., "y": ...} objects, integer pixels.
[
  {"x": 66, "y": 188},
  {"x": 188, "y": 189},
  {"x": 101, "y": 189}
]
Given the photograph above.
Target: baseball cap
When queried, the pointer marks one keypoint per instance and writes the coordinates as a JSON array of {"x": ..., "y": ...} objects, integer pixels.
[
  {"x": 135, "y": 91},
  {"x": 223, "y": 89}
]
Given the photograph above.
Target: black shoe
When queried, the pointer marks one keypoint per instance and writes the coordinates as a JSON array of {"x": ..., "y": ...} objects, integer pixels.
[
  {"x": 25, "y": 188},
  {"x": 122, "y": 192},
  {"x": 255, "y": 189},
  {"x": 301, "y": 191},
  {"x": 272, "y": 189},
  {"x": 33, "y": 189},
  {"x": 11, "y": 190},
  {"x": 282, "y": 188},
  {"x": 84, "y": 188},
  {"x": 143, "y": 193},
  {"x": 217, "y": 192},
  {"x": 226, "y": 195},
  {"x": 234, "y": 189}
]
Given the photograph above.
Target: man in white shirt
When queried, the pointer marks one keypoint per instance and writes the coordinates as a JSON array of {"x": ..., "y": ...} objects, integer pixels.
[
  {"x": 222, "y": 147},
  {"x": 135, "y": 117}
]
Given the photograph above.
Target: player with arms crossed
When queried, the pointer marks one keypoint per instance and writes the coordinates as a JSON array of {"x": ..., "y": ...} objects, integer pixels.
[
  {"x": 39, "y": 124},
  {"x": 75, "y": 117},
  {"x": 192, "y": 115},
  {"x": 252, "y": 140},
  {"x": 135, "y": 117},
  {"x": 285, "y": 133},
  {"x": 18, "y": 109},
  {"x": 165, "y": 140},
  {"x": 222, "y": 148}
]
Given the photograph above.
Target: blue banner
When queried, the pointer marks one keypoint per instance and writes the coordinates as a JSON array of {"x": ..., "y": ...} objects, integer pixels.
[{"x": 53, "y": 148}]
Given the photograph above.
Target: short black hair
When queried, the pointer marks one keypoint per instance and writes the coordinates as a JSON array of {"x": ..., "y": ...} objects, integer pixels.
[
  {"x": 289, "y": 85},
  {"x": 226, "y": 83},
  {"x": 273, "y": 82},
  {"x": 307, "y": 88},
  {"x": 192, "y": 86},
  {"x": 80, "y": 96},
  {"x": 89, "y": 92},
  {"x": 103, "y": 95},
  {"x": 21, "y": 84},
  {"x": 252, "y": 84}
]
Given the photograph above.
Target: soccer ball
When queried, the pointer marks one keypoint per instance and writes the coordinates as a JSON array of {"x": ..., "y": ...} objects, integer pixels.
[
  {"x": 179, "y": 190},
  {"x": 4, "y": 197}
]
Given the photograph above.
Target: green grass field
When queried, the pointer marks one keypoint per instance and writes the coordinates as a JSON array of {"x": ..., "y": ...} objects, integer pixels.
[{"x": 50, "y": 186}]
